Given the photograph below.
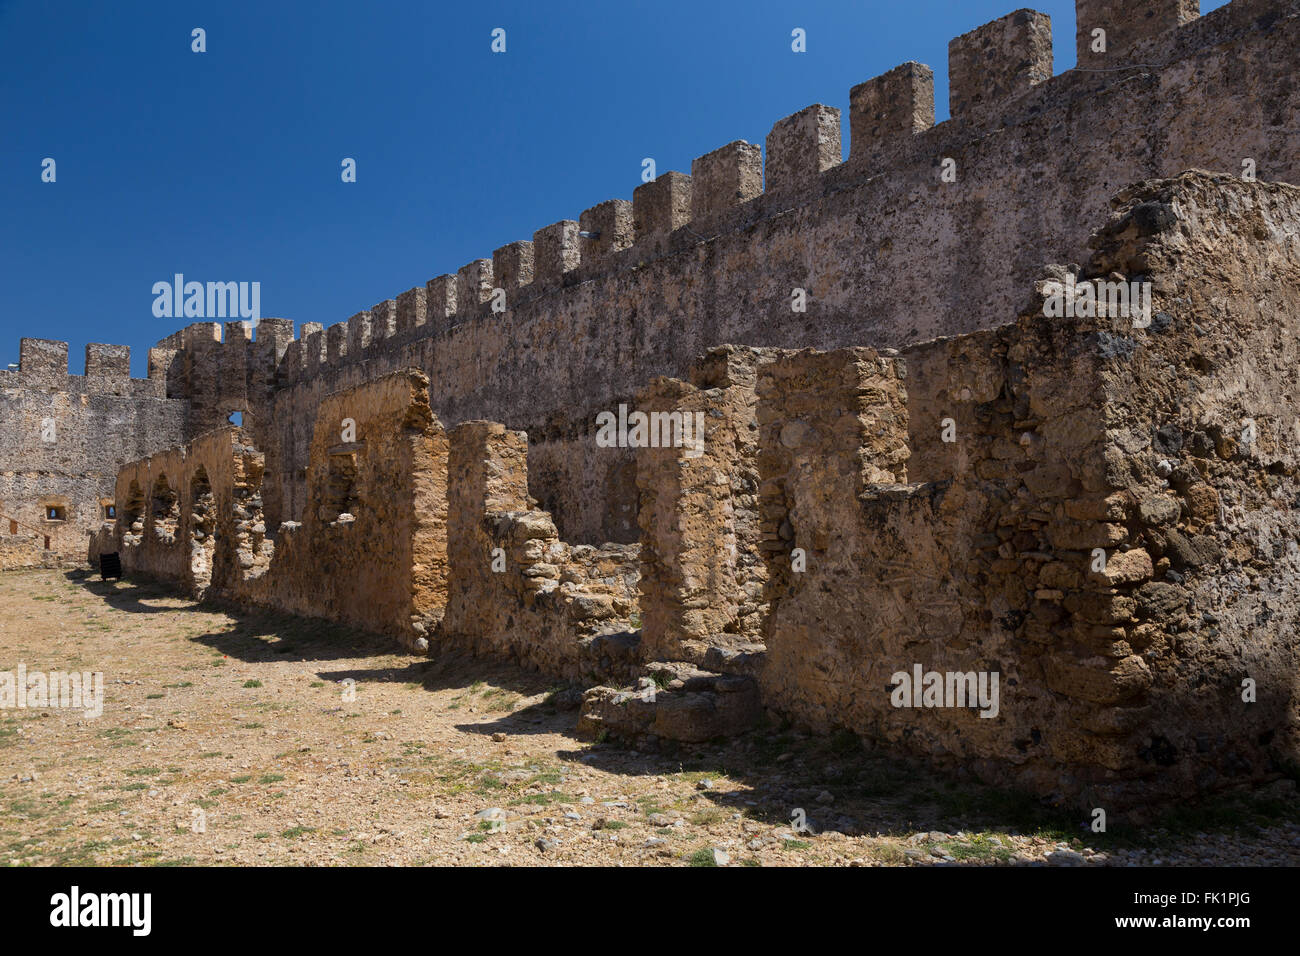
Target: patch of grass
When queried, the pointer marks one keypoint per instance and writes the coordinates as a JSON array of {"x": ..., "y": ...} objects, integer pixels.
[
  {"x": 1227, "y": 813},
  {"x": 294, "y": 832},
  {"x": 144, "y": 772},
  {"x": 890, "y": 854},
  {"x": 252, "y": 683},
  {"x": 709, "y": 817},
  {"x": 702, "y": 858},
  {"x": 795, "y": 845},
  {"x": 242, "y": 778},
  {"x": 981, "y": 847},
  {"x": 543, "y": 799},
  {"x": 154, "y": 696},
  {"x": 270, "y": 778}
]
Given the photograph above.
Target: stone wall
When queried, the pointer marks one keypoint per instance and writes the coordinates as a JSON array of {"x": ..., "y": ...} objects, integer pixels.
[
  {"x": 63, "y": 437},
  {"x": 1072, "y": 440},
  {"x": 18, "y": 551},
  {"x": 371, "y": 549},
  {"x": 516, "y": 590},
  {"x": 714, "y": 257},
  {"x": 701, "y": 536},
  {"x": 1095, "y": 509},
  {"x": 407, "y": 531},
  {"x": 1098, "y": 510}
]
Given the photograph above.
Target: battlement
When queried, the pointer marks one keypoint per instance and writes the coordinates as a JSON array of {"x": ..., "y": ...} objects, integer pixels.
[
  {"x": 43, "y": 364},
  {"x": 989, "y": 68}
]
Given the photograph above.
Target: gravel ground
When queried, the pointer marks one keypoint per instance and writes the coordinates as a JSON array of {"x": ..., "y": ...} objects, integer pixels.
[{"x": 235, "y": 738}]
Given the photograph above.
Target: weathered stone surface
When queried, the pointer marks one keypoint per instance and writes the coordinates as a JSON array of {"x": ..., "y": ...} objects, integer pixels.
[{"x": 693, "y": 706}]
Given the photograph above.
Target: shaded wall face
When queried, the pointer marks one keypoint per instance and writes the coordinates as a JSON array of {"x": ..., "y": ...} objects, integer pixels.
[
  {"x": 1201, "y": 427},
  {"x": 1098, "y": 531},
  {"x": 702, "y": 572},
  {"x": 965, "y": 575}
]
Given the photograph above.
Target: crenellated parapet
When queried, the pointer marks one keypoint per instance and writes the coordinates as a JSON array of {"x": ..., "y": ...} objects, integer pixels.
[{"x": 43, "y": 365}]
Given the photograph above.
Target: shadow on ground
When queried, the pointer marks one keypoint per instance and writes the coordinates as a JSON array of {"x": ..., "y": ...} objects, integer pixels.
[{"x": 784, "y": 777}]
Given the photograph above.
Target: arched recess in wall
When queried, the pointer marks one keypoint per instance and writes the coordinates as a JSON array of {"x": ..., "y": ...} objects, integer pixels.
[
  {"x": 166, "y": 510},
  {"x": 203, "y": 529},
  {"x": 133, "y": 515}
]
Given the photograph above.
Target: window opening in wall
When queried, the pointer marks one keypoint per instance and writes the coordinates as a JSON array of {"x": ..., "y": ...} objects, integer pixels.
[
  {"x": 340, "y": 489},
  {"x": 56, "y": 513}
]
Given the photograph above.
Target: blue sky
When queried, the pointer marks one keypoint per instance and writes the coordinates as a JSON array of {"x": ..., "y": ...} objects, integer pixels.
[{"x": 225, "y": 165}]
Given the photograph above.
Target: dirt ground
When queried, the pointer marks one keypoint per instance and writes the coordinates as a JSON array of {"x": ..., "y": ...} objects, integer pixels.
[{"x": 248, "y": 739}]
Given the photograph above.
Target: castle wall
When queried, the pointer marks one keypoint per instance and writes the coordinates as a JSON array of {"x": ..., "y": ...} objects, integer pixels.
[
  {"x": 64, "y": 437},
  {"x": 714, "y": 257},
  {"x": 408, "y": 531},
  {"x": 371, "y": 549},
  {"x": 1098, "y": 511}
]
